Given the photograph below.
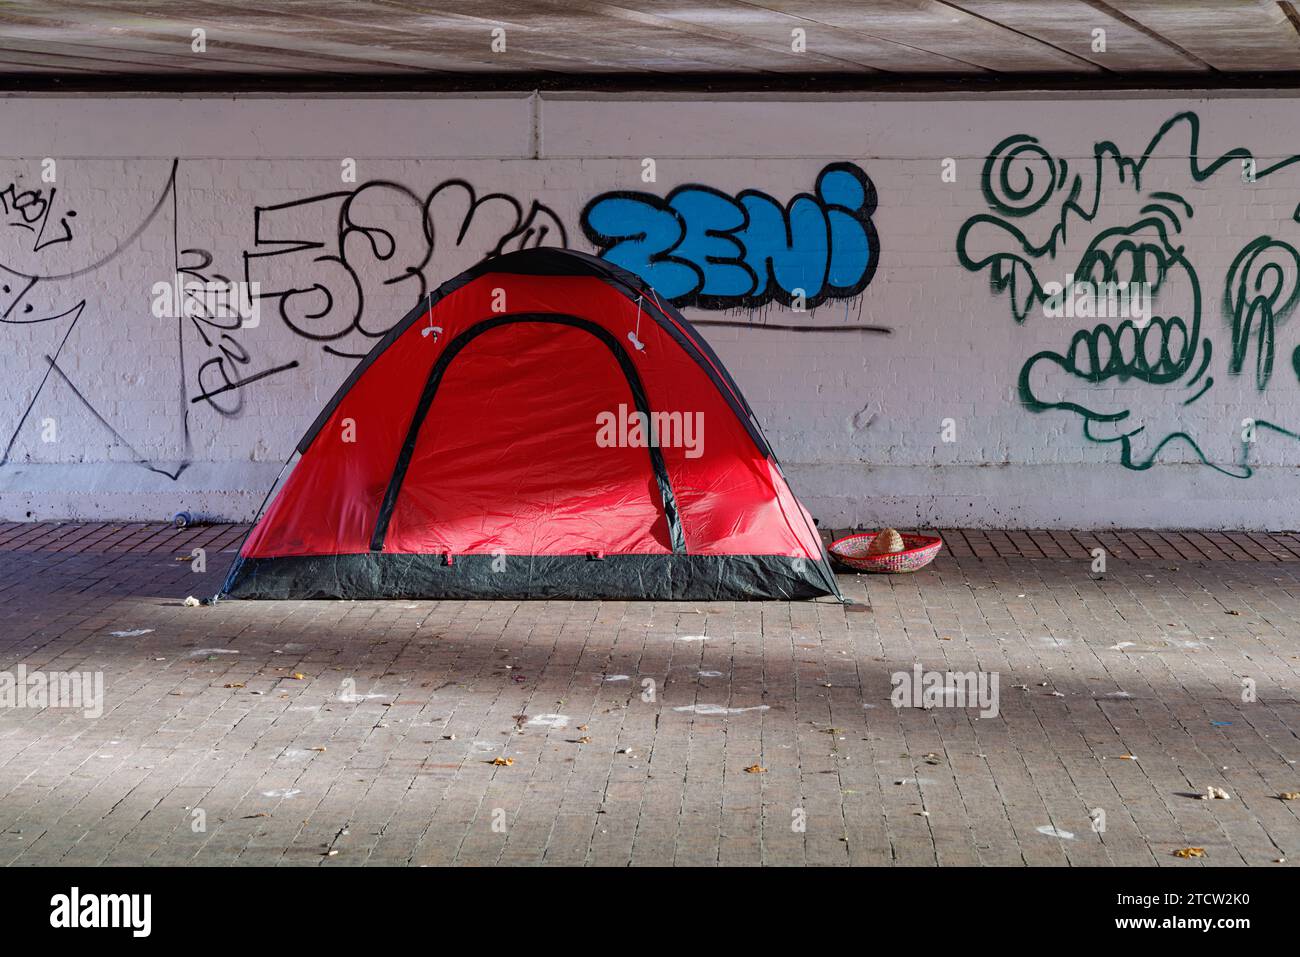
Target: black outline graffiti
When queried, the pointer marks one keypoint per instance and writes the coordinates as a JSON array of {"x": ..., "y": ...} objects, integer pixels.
[
  {"x": 22, "y": 419},
  {"x": 168, "y": 189},
  {"x": 530, "y": 228},
  {"x": 10, "y": 202},
  {"x": 232, "y": 351}
]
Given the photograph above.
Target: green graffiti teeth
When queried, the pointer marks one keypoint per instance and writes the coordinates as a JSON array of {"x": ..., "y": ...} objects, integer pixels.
[{"x": 1160, "y": 351}]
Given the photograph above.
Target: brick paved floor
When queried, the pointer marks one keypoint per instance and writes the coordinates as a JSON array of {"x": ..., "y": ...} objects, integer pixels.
[{"x": 370, "y": 728}]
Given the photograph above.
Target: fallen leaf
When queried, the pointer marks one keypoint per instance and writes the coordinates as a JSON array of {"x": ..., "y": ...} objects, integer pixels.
[
  {"x": 502, "y": 762},
  {"x": 315, "y": 749},
  {"x": 755, "y": 768},
  {"x": 584, "y": 740},
  {"x": 1186, "y": 852},
  {"x": 1215, "y": 794},
  {"x": 1290, "y": 795},
  {"x": 235, "y": 684},
  {"x": 298, "y": 676}
]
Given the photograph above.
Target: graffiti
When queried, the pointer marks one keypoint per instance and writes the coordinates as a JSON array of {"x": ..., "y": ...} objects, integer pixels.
[
  {"x": 75, "y": 313},
  {"x": 1040, "y": 211},
  {"x": 220, "y": 374},
  {"x": 14, "y": 290},
  {"x": 35, "y": 293},
  {"x": 1260, "y": 291},
  {"x": 343, "y": 267},
  {"x": 135, "y": 345},
  {"x": 700, "y": 247},
  {"x": 337, "y": 269},
  {"x": 30, "y": 210}
]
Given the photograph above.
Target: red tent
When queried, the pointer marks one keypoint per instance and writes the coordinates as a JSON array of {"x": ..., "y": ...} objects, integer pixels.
[{"x": 541, "y": 426}]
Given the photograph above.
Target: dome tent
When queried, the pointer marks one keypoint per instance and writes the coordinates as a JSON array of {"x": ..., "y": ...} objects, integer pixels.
[{"x": 541, "y": 426}]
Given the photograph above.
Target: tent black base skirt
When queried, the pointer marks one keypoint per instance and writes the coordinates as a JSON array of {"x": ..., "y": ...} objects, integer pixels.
[{"x": 579, "y": 577}]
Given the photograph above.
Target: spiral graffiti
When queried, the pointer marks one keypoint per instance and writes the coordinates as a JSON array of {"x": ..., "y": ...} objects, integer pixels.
[{"x": 1019, "y": 158}]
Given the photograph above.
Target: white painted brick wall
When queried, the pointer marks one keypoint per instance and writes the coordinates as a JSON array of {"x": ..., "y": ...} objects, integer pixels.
[{"x": 955, "y": 350}]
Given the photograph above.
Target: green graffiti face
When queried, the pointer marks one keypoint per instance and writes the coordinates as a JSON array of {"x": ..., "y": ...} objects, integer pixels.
[{"x": 1131, "y": 374}]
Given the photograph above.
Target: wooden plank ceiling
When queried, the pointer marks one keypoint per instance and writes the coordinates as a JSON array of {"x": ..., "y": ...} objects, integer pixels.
[{"x": 745, "y": 39}]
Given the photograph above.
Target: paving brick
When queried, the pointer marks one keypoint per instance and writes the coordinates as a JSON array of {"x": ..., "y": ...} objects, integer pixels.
[{"x": 1126, "y": 693}]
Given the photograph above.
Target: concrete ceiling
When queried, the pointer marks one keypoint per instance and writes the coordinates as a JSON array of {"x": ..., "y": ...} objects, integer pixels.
[{"x": 745, "y": 40}]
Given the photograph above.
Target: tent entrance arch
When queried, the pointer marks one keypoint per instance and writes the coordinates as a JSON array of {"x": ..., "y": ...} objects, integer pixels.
[{"x": 451, "y": 494}]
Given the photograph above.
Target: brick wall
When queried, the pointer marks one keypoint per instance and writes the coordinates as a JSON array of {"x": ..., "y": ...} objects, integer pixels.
[{"x": 926, "y": 384}]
